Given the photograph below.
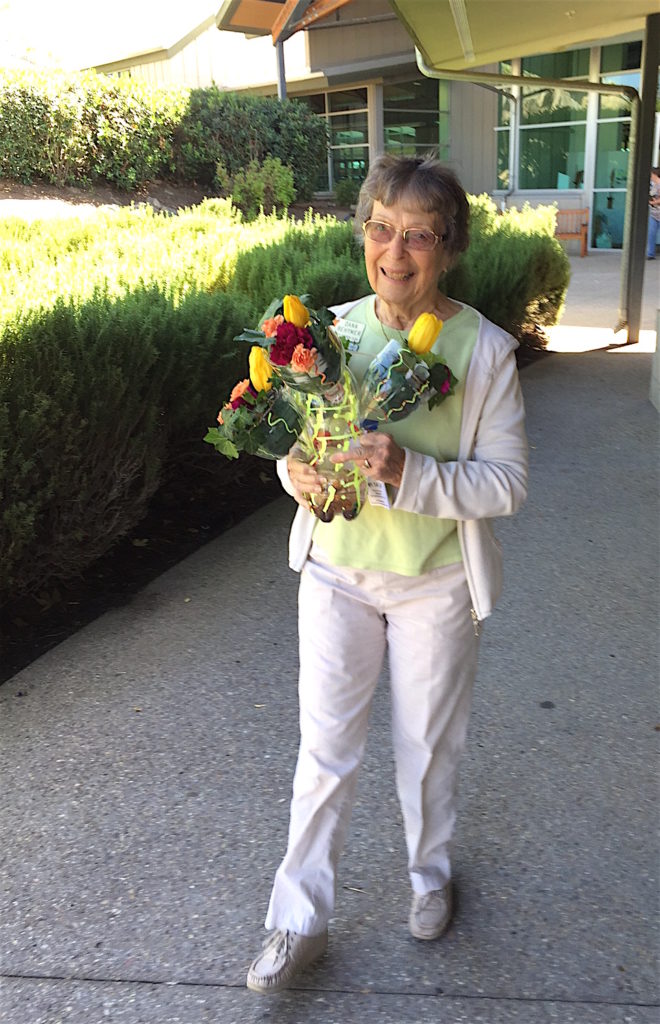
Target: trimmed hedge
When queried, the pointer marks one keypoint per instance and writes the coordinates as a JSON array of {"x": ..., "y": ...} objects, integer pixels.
[
  {"x": 116, "y": 350},
  {"x": 515, "y": 271},
  {"x": 83, "y": 128},
  {"x": 227, "y": 128}
]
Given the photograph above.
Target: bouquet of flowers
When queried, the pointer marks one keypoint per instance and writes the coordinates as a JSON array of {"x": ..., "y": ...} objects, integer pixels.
[
  {"x": 264, "y": 422},
  {"x": 399, "y": 378},
  {"x": 299, "y": 389},
  {"x": 297, "y": 346}
]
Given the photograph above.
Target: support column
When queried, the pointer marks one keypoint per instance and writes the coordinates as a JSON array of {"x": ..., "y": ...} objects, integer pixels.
[
  {"x": 281, "y": 74},
  {"x": 641, "y": 143}
]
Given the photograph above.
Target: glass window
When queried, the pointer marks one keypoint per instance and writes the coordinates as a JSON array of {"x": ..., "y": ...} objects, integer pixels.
[
  {"x": 419, "y": 94},
  {"x": 552, "y": 157},
  {"x": 350, "y": 162},
  {"x": 571, "y": 64},
  {"x": 412, "y": 118},
  {"x": 552, "y": 106},
  {"x": 621, "y": 56},
  {"x": 316, "y": 103},
  {"x": 503, "y": 159},
  {"x": 607, "y": 220},
  {"x": 503, "y": 110},
  {"x": 617, "y": 106},
  {"x": 347, "y": 99},
  {"x": 612, "y": 154},
  {"x": 348, "y": 128}
]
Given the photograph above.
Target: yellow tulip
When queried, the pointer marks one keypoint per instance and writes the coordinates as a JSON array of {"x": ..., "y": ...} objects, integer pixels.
[
  {"x": 423, "y": 333},
  {"x": 295, "y": 312},
  {"x": 260, "y": 369}
]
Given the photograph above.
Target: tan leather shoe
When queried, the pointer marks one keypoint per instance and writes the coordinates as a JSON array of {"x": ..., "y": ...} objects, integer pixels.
[
  {"x": 283, "y": 956},
  {"x": 431, "y": 913}
]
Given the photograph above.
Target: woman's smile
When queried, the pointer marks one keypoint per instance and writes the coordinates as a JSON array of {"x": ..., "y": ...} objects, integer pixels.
[{"x": 405, "y": 280}]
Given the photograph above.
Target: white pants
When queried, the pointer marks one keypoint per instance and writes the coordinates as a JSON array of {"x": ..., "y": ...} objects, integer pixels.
[{"x": 347, "y": 619}]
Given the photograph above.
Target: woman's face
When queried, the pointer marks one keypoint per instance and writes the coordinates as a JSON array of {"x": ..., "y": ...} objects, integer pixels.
[{"x": 406, "y": 278}]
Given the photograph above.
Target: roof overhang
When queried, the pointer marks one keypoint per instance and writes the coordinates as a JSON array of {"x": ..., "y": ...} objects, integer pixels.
[
  {"x": 461, "y": 34},
  {"x": 276, "y": 18}
]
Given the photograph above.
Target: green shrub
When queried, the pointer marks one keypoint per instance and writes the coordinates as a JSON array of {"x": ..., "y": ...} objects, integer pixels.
[
  {"x": 116, "y": 351},
  {"x": 304, "y": 256},
  {"x": 103, "y": 401},
  {"x": 80, "y": 401},
  {"x": 227, "y": 128},
  {"x": 515, "y": 272},
  {"x": 347, "y": 191},
  {"x": 266, "y": 186},
  {"x": 83, "y": 128}
]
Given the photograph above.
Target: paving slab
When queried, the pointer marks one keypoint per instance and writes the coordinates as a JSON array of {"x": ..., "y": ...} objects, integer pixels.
[{"x": 147, "y": 765}]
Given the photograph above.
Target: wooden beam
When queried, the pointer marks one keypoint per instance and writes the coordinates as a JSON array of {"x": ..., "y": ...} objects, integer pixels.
[
  {"x": 289, "y": 14},
  {"x": 316, "y": 10}
]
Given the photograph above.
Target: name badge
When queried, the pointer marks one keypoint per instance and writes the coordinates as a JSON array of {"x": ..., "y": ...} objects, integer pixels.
[
  {"x": 351, "y": 331},
  {"x": 377, "y": 494}
]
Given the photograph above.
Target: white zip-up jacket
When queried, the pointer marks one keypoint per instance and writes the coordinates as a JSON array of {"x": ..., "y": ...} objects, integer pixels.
[{"x": 489, "y": 478}]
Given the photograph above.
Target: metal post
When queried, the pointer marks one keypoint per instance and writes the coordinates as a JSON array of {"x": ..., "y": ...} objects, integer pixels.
[
  {"x": 281, "y": 74},
  {"x": 640, "y": 165}
]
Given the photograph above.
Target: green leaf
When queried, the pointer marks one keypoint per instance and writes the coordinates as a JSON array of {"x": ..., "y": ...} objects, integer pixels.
[
  {"x": 221, "y": 443},
  {"x": 253, "y": 337}
]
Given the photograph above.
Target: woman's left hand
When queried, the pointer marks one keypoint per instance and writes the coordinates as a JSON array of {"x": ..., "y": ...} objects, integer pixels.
[{"x": 377, "y": 456}]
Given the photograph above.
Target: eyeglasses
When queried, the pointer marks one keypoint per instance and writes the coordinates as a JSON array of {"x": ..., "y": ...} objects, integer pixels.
[{"x": 421, "y": 239}]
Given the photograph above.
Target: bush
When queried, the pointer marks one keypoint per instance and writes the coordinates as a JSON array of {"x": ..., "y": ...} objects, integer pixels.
[
  {"x": 80, "y": 398},
  {"x": 116, "y": 351},
  {"x": 320, "y": 258},
  {"x": 223, "y": 127},
  {"x": 103, "y": 402},
  {"x": 266, "y": 186},
  {"x": 82, "y": 128},
  {"x": 515, "y": 271},
  {"x": 347, "y": 191},
  {"x": 78, "y": 129}
]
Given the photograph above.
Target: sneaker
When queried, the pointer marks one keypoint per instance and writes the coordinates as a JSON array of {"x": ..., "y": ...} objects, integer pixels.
[
  {"x": 284, "y": 955},
  {"x": 430, "y": 914}
]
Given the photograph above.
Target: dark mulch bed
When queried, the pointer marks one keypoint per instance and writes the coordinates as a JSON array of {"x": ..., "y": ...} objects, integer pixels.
[{"x": 181, "y": 519}]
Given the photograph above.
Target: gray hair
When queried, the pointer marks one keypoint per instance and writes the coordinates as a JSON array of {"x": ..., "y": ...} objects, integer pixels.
[{"x": 426, "y": 183}]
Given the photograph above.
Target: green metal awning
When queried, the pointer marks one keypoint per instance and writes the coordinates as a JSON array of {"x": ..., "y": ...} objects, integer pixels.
[{"x": 458, "y": 34}]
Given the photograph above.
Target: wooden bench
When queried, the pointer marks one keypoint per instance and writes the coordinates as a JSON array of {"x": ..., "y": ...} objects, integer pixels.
[{"x": 573, "y": 224}]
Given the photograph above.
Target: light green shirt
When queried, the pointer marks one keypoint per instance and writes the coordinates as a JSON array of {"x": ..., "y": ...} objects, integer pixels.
[{"x": 388, "y": 539}]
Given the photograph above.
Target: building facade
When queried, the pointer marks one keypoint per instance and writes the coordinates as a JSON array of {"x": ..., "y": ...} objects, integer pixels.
[{"x": 357, "y": 70}]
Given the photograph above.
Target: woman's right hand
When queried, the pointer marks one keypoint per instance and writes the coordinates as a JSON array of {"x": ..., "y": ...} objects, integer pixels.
[{"x": 304, "y": 479}]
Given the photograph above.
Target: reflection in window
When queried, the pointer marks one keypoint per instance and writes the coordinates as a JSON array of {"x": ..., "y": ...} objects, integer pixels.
[
  {"x": 503, "y": 158},
  {"x": 621, "y": 57},
  {"x": 552, "y": 157},
  {"x": 570, "y": 64},
  {"x": 552, "y": 106},
  {"x": 345, "y": 112},
  {"x": 607, "y": 220},
  {"x": 416, "y": 117},
  {"x": 612, "y": 154}
]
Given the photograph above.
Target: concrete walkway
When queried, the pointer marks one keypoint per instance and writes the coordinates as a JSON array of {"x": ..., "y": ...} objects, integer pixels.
[{"x": 147, "y": 761}]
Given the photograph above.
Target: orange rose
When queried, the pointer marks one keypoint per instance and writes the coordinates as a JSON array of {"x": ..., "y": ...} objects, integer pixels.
[
  {"x": 269, "y": 327},
  {"x": 303, "y": 359},
  {"x": 239, "y": 390}
]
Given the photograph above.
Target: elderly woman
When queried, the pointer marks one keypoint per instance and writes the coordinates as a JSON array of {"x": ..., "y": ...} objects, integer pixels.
[{"x": 412, "y": 577}]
